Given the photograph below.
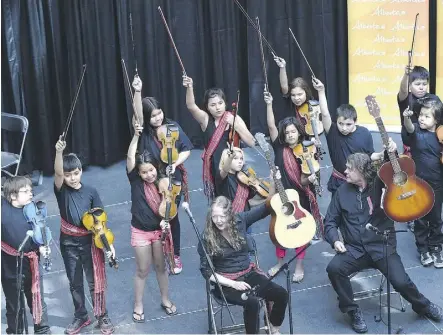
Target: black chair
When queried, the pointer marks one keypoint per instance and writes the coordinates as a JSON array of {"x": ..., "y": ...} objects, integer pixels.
[
  {"x": 216, "y": 305},
  {"x": 17, "y": 124}
]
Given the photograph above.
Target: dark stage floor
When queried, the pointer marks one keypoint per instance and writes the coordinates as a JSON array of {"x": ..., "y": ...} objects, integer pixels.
[{"x": 314, "y": 301}]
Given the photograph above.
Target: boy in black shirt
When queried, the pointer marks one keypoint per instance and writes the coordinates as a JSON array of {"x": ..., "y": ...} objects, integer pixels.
[
  {"x": 17, "y": 194},
  {"x": 78, "y": 250},
  {"x": 344, "y": 137},
  {"x": 426, "y": 153}
]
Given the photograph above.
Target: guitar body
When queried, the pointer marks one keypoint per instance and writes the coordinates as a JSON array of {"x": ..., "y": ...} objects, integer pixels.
[
  {"x": 407, "y": 197},
  {"x": 292, "y": 229}
]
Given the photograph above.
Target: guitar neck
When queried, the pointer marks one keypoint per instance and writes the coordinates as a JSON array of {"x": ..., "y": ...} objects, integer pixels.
[
  {"x": 278, "y": 184},
  {"x": 385, "y": 139}
]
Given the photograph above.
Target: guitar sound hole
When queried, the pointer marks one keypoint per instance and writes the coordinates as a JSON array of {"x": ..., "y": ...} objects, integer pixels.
[
  {"x": 288, "y": 208},
  {"x": 400, "y": 178}
]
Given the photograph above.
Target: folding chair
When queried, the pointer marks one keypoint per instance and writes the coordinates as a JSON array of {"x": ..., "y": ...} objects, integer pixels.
[
  {"x": 14, "y": 123},
  {"x": 369, "y": 293},
  {"x": 216, "y": 305}
]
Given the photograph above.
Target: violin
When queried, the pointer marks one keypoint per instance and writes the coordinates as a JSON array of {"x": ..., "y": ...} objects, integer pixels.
[
  {"x": 35, "y": 213},
  {"x": 169, "y": 189},
  {"x": 439, "y": 133},
  {"x": 309, "y": 113},
  {"x": 168, "y": 135},
  {"x": 95, "y": 220},
  {"x": 305, "y": 150},
  {"x": 234, "y": 138},
  {"x": 312, "y": 164},
  {"x": 248, "y": 177}
]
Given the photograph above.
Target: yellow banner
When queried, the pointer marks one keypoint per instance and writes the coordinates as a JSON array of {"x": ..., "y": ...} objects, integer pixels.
[
  {"x": 439, "y": 83},
  {"x": 379, "y": 38}
]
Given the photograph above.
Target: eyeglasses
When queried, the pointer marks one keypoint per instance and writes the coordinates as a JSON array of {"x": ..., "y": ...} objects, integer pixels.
[{"x": 25, "y": 191}]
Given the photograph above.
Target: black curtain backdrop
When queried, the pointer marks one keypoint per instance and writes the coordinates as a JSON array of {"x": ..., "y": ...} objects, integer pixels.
[{"x": 46, "y": 42}]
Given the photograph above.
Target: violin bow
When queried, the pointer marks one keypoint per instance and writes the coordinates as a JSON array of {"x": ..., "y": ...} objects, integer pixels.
[
  {"x": 133, "y": 42},
  {"x": 410, "y": 54},
  {"x": 74, "y": 102},
  {"x": 232, "y": 132},
  {"x": 306, "y": 60},
  {"x": 172, "y": 41},
  {"x": 263, "y": 62},
  {"x": 255, "y": 27},
  {"x": 128, "y": 84}
]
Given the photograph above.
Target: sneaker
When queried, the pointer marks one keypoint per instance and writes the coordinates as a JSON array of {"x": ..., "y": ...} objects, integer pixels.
[
  {"x": 77, "y": 325},
  {"x": 438, "y": 259},
  {"x": 411, "y": 226},
  {"x": 434, "y": 312},
  {"x": 357, "y": 321},
  {"x": 178, "y": 265},
  {"x": 426, "y": 259},
  {"x": 105, "y": 325}
]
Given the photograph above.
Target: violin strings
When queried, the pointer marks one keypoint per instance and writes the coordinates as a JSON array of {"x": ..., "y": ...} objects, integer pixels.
[
  {"x": 293, "y": 36},
  {"x": 172, "y": 40},
  {"x": 262, "y": 55},
  {"x": 255, "y": 27},
  {"x": 74, "y": 102}
]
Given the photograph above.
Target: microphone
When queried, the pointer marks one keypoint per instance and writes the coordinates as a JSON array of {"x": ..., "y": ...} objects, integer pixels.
[
  {"x": 374, "y": 229},
  {"x": 245, "y": 295},
  {"x": 185, "y": 206},
  {"x": 29, "y": 234}
]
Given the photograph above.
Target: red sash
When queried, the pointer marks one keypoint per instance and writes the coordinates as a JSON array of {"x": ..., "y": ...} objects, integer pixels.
[
  {"x": 35, "y": 281},
  {"x": 208, "y": 178},
  {"x": 181, "y": 167},
  {"x": 294, "y": 174},
  {"x": 241, "y": 196},
  {"x": 98, "y": 263},
  {"x": 152, "y": 197},
  {"x": 236, "y": 275},
  {"x": 338, "y": 175}
]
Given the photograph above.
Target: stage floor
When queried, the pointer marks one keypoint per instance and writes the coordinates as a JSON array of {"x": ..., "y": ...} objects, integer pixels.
[{"x": 314, "y": 301}]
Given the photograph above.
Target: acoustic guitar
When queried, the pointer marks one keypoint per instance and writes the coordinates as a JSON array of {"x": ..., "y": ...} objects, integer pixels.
[
  {"x": 291, "y": 225},
  {"x": 407, "y": 196}
]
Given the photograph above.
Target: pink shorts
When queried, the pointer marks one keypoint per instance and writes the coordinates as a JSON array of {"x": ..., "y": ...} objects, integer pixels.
[
  {"x": 281, "y": 253},
  {"x": 141, "y": 238}
]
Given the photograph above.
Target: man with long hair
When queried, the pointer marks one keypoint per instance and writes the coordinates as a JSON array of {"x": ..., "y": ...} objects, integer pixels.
[{"x": 355, "y": 204}]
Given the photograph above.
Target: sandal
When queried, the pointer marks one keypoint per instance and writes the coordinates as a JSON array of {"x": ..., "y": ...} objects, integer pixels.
[
  {"x": 169, "y": 309},
  {"x": 272, "y": 271},
  {"x": 298, "y": 277},
  {"x": 141, "y": 317}
]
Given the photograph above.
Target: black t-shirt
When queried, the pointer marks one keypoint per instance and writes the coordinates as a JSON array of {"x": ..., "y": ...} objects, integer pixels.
[
  {"x": 148, "y": 142},
  {"x": 216, "y": 157},
  {"x": 341, "y": 146},
  {"x": 14, "y": 228},
  {"x": 143, "y": 217},
  {"x": 286, "y": 181},
  {"x": 228, "y": 188},
  {"x": 73, "y": 204},
  {"x": 409, "y": 101},
  {"x": 426, "y": 153}
]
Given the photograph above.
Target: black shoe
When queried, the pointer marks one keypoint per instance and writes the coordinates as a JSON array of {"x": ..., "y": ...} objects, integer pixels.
[
  {"x": 434, "y": 312},
  {"x": 105, "y": 325},
  {"x": 426, "y": 259},
  {"x": 357, "y": 321},
  {"x": 77, "y": 325}
]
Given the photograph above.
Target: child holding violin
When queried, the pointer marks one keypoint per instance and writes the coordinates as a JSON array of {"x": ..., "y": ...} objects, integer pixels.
[
  {"x": 79, "y": 252},
  {"x": 215, "y": 122},
  {"x": 284, "y": 139},
  {"x": 345, "y": 137},
  {"x": 426, "y": 151},
  {"x": 17, "y": 193},
  {"x": 150, "y": 116},
  {"x": 146, "y": 226}
]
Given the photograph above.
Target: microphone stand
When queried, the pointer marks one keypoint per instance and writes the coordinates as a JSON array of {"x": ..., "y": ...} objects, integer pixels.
[
  {"x": 21, "y": 312},
  {"x": 385, "y": 234},
  {"x": 211, "y": 266},
  {"x": 284, "y": 267}
]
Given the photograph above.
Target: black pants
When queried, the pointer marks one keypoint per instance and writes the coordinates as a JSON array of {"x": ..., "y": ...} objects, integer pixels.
[
  {"x": 78, "y": 259},
  {"x": 343, "y": 265},
  {"x": 175, "y": 232},
  {"x": 427, "y": 230},
  {"x": 251, "y": 311},
  {"x": 10, "y": 291}
]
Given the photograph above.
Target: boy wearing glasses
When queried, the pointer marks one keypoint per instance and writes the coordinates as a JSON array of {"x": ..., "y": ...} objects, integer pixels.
[{"x": 17, "y": 193}]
